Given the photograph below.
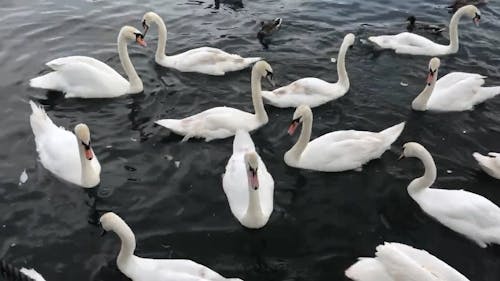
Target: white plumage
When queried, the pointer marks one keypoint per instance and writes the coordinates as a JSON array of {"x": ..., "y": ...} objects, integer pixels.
[{"x": 489, "y": 163}]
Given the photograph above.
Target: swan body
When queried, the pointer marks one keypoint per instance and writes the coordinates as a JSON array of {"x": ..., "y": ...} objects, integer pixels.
[
  {"x": 223, "y": 122},
  {"x": 86, "y": 77},
  {"x": 413, "y": 44},
  {"x": 489, "y": 163},
  {"x": 204, "y": 60},
  {"x": 66, "y": 155},
  {"x": 312, "y": 91},
  {"x": 248, "y": 185},
  {"x": 464, "y": 212},
  {"x": 400, "y": 262},
  {"x": 456, "y": 91},
  {"x": 31, "y": 273},
  {"x": 336, "y": 151},
  {"x": 144, "y": 269}
]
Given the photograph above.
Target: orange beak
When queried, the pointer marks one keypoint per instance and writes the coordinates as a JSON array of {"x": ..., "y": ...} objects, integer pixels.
[
  {"x": 293, "y": 127},
  {"x": 89, "y": 154},
  {"x": 141, "y": 41}
]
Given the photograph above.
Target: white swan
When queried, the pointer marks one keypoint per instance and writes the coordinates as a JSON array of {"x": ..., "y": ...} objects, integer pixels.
[
  {"x": 223, "y": 122},
  {"x": 400, "y": 262},
  {"x": 336, "y": 151},
  {"x": 204, "y": 60},
  {"x": 490, "y": 163},
  {"x": 31, "y": 273},
  {"x": 143, "y": 269},
  {"x": 312, "y": 91},
  {"x": 456, "y": 91},
  {"x": 464, "y": 212},
  {"x": 248, "y": 185},
  {"x": 413, "y": 44},
  {"x": 86, "y": 77},
  {"x": 67, "y": 156}
]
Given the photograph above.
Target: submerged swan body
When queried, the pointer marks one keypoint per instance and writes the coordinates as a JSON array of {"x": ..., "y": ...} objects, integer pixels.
[
  {"x": 204, "y": 60},
  {"x": 336, "y": 151},
  {"x": 312, "y": 91},
  {"x": 489, "y": 163},
  {"x": 68, "y": 156},
  {"x": 86, "y": 77},
  {"x": 400, "y": 262},
  {"x": 223, "y": 122},
  {"x": 248, "y": 185},
  {"x": 144, "y": 269},
  {"x": 464, "y": 212},
  {"x": 413, "y": 44},
  {"x": 456, "y": 91}
]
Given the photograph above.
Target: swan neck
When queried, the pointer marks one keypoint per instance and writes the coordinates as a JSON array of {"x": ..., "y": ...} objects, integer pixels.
[
  {"x": 454, "y": 31},
  {"x": 429, "y": 176},
  {"x": 134, "y": 80},
  {"x": 305, "y": 136},
  {"x": 341, "y": 71},
  {"x": 128, "y": 242},
  {"x": 420, "y": 102},
  {"x": 258, "y": 103},
  {"x": 89, "y": 177},
  {"x": 254, "y": 209},
  {"x": 162, "y": 37}
]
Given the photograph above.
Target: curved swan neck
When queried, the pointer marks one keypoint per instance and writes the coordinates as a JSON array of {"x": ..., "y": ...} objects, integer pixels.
[
  {"x": 305, "y": 136},
  {"x": 341, "y": 71},
  {"x": 258, "y": 103},
  {"x": 254, "y": 209},
  {"x": 162, "y": 36},
  {"x": 420, "y": 102},
  {"x": 429, "y": 176},
  {"x": 134, "y": 79},
  {"x": 89, "y": 177},
  {"x": 128, "y": 242},
  {"x": 454, "y": 30}
]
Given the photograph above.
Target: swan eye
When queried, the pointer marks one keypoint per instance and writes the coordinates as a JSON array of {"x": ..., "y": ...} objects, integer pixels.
[
  {"x": 138, "y": 36},
  {"x": 86, "y": 146},
  {"x": 269, "y": 74}
]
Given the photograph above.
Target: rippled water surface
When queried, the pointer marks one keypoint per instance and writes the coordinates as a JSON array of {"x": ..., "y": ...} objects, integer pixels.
[{"x": 321, "y": 221}]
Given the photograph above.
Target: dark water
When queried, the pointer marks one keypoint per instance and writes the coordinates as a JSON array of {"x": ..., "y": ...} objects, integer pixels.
[{"x": 321, "y": 221}]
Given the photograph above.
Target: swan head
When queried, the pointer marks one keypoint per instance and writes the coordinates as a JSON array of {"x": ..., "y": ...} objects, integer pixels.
[
  {"x": 252, "y": 165},
  {"x": 147, "y": 19},
  {"x": 412, "y": 149},
  {"x": 133, "y": 34},
  {"x": 109, "y": 221},
  {"x": 472, "y": 11},
  {"x": 298, "y": 117},
  {"x": 434, "y": 64},
  {"x": 82, "y": 133},
  {"x": 264, "y": 70},
  {"x": 349, "y": 39}
]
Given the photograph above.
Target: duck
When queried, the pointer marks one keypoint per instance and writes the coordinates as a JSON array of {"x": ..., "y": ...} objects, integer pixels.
[
  {"x": 223, "y": 122},
  {"x": 12, "y": 273},
  {"x": 86, "y": 77},
  {"x": 248, "y": 186},
  {"x": 401, "y": 262},
  {"x": 336, "y": 151},
  {"x": 457, "y": 4},
  {"x": 313, "y": 91},
  {"x": 267, "y": 28},
  {"x": 456, "y": 91},
  {"x": 413, "y": 44},
  {"x": 68, "y": 156},
  {"x": 489, "y": 163},
  {"x": 464, "y": 212},
  {"x": 433, "y": 28},
  {"x": 146, "y": 269},
  {"x": 205, "y": 60}
]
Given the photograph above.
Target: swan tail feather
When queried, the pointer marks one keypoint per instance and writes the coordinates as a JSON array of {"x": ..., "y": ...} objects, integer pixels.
[
  {"x": 391, "y": 134},
  {"x": 31, "y": 273},
  {"x": 487, "y": 93},
  {"x": 242, "y": 141},
  {"x": 49, "y": 81},
  {"x": 366, "y": 269},
  {"x": 39, "y": 119}
]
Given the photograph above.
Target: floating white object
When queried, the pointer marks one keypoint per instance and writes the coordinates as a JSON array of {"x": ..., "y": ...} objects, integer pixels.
[
  {"x": 403, "y": 83},
  {"x": 23, "y": 178}
]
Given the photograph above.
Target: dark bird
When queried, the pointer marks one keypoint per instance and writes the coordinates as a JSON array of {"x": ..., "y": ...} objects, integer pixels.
[
  {"x": 267, "y": 29},
  {"x": 433, "y": 28},
  {"x": 457, "y": 4}
]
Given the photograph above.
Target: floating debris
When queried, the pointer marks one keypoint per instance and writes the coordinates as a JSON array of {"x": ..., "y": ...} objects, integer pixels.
[
  {"x": 464, "y": 131},
  {"x": 449, "y": 171},
  {"x": 133, "y": 139},
  {"x": 177, "y": 164},
  {"x": 23, "y": 178},
  {"x": 403, "y": 83},
  {"x": 169, "y": 157},
  {"x": 109, "y": 146},
  {"x": 334, "y": 60}
]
